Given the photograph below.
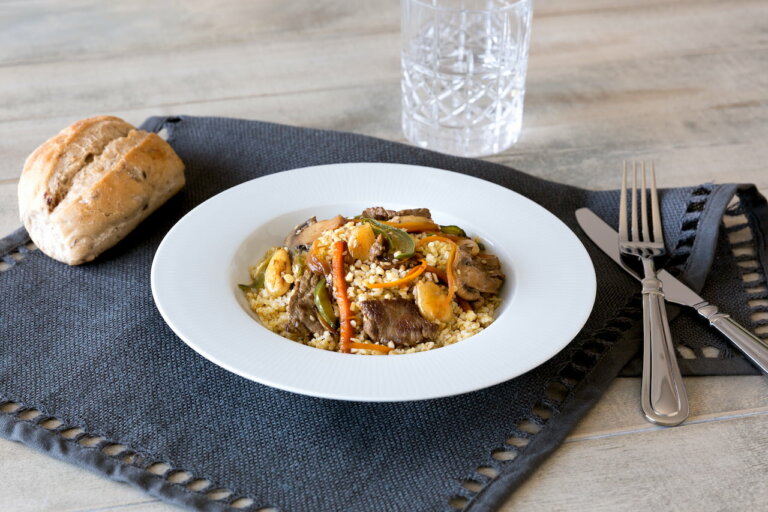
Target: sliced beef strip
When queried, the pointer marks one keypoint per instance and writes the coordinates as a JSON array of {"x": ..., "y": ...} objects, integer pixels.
[
  {"x": 377, "y": 213},
  {"x": 477, "y": 274},
  {"x": 380, "y": 213},
  {"x": 301, "y": 307},
  {"x": 397, "y": 321},
  {"x": 417, "y": 212},
  {"x": 377, "y": 248}
]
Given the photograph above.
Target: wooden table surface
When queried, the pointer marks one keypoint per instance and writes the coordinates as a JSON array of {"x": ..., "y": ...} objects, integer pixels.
[{"x": 683, "y": 82}]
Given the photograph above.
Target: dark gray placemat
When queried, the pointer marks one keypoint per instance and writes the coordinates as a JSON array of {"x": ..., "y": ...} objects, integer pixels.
[{"x": 86, "y": 346}]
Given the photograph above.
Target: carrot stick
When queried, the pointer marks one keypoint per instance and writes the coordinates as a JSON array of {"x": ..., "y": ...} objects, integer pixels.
[
  {"x": 369, "y": 346},
  {"x": 410, "y": 276},
  {"x": 340, "y": 291}
]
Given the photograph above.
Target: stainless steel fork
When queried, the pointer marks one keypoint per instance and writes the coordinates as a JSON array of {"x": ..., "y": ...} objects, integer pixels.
[{"x": 663, "y": 396}]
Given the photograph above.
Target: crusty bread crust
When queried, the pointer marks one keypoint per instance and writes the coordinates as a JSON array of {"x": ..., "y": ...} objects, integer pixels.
[{"x": 86, "y": 188}]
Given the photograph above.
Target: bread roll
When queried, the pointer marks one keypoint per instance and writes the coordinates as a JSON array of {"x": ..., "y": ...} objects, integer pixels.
[{"x": 89, "y": 186}]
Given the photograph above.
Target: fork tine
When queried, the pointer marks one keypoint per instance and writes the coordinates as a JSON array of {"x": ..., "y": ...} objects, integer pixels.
[
  {"x": 658, "y": 234},
  {"x": 633, "y": 213},
  {"x": 623, "y": 206},
  {"x": 644, "y": 209}
]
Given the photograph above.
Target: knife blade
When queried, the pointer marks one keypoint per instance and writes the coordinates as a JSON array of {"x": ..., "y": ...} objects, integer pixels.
[{"x": 607, "y": 239}]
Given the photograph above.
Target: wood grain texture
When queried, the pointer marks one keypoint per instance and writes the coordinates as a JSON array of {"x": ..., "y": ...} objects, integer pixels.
[
  {"x": 711, "y": 466},
  {"x": 9, "y": 211},
  {"x": 59, "y": 486},
  {"x": 45, "y": 31},
  {"x": 710, "y": 398},
  {"x": 352, "y": 111},
  {"x": 683, "y": 82}
]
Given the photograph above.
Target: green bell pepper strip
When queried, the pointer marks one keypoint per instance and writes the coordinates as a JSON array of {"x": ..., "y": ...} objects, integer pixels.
[
  {"x": 402, "y": 244},
  {"x": 453, "y": 230},
  {"x": 323, "y": 303}
]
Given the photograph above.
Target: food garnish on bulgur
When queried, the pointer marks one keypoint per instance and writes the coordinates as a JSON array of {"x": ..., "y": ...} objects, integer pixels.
[{"x": 384, "y": 282}]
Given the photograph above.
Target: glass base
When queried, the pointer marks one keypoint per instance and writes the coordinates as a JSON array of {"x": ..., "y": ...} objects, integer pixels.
[{"x": 466, "y": 142}]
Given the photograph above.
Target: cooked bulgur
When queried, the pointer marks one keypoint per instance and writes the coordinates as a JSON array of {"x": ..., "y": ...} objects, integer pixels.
[{"x": 465, "y": 319}]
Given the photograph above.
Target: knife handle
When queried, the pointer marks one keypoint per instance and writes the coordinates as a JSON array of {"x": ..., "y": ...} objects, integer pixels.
[
  {"x": 664, "y": 399},
  {"x": 753, "y": 347}
]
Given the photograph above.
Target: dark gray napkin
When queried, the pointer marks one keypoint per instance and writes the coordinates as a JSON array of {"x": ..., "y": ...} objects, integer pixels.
[{"x": 86, "y": 346}]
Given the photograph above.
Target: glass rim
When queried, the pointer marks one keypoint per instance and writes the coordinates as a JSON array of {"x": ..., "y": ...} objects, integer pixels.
[{"x": 428, "y": 4}]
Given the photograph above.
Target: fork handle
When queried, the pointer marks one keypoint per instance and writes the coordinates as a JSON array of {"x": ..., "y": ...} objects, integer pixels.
[{"x": 664, "y": 399}]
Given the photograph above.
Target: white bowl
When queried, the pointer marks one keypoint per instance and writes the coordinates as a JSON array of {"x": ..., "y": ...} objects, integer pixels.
[{"x": 547, "y": 297}]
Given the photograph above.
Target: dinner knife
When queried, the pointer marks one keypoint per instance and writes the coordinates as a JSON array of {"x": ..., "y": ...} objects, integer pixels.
[{"x": 607, "y": 239}]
